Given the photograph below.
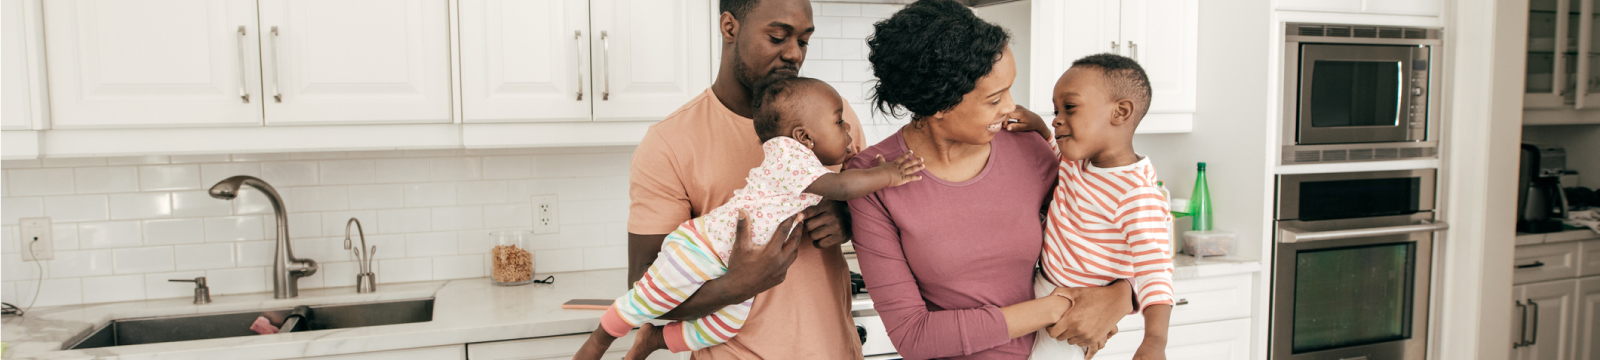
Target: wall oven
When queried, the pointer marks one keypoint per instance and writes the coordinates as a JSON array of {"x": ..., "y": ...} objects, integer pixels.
[
  {"x": 1359, "y": 93},
  {"x": 1352, "y": 265}
]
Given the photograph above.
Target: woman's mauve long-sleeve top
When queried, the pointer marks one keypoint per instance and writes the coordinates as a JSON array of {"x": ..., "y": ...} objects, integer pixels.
[{"x": 941, "y": 258}]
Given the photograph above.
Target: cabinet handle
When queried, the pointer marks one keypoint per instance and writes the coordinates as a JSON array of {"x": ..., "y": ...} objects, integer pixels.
[
  {"x": 277, "y": 71},
  {"x": 1181, "y": 302},
  {"x": 1522, "y": 333},
  {"x": 1116, "y": 48},
  {"x": 243, "y": 94},
  {"x": 1133, "y": 49},
  {"x": 1530, "y": 266},
  {"x": 1535, "y": 326},
  {"x": 605, "y": 57},
  {"x": 577, "y": 48}
]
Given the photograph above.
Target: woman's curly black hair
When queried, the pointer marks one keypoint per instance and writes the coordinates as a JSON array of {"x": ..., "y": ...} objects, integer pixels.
[{"x": 930, "y": 54}]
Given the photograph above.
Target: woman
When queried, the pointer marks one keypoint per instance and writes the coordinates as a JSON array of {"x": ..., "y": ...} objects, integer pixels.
[{"x": 949, "y": 260}]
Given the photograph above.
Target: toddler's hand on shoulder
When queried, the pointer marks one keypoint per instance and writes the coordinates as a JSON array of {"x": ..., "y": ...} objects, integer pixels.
[
  {"x": 902, "y": 170},
  {"x": 1026, "y": 121}
]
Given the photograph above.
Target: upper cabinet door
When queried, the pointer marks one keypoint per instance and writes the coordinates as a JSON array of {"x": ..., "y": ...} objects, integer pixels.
[
  {"x": 121, "y": 64},
  {"x": 16, "y": 102},
  {"x": 524, "y": 60},
  {"x": 1162, "y": 35},
  {"x": 356, "y": 61},
  {"x": 1066, "y": 31},
  {"x": 1588, "y": 330},
  {"x": 1404, "y": 7},
  {"x": 649, "y": 56},
  {"x": 1321, "y": 5}
]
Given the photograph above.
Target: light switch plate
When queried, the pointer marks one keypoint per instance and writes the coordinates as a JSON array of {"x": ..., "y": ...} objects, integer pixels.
[
  {"x": 546, "y": 220},
  {"x": 37, "y": 242}
]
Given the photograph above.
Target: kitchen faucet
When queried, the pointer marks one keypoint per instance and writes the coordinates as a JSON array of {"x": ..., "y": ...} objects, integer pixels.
[{"x": 284, "y": 280}]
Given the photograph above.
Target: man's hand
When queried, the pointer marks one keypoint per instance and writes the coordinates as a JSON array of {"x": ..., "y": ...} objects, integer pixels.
[
  {"x": 827, "y": 224},
  {"x": 756, "y": 268},
  {"x": 1094, "y": 315}
]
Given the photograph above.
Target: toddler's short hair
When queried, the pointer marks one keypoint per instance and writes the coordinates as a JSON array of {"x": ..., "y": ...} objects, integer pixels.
[
  {"x": 1127, "y": 79},
  {"x": 774, "y": 105}
]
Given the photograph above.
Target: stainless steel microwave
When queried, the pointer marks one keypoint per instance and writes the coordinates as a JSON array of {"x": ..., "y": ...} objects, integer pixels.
[{"x": 1359, "y": 93}]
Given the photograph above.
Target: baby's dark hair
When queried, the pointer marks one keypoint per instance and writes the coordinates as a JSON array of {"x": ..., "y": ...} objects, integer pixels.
[
  {"x": 1127, "y": 79},
  {"x": 774, "y": 106}
]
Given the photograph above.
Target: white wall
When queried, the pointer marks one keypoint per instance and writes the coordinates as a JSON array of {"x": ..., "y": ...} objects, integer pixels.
[
  {"x": 123, "y": 226},
  {"x": 1016, "y": 17},
  {"x": 1582, "y": 143}
]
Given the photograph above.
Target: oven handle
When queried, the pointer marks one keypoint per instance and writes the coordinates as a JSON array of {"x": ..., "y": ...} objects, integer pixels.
[{"x": 1291, "y": 235}]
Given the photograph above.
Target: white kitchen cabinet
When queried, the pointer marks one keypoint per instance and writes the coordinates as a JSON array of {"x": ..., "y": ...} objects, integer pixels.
[
  {"x": 554, "y": 348},
  {"x": 1587, "y": 332},
  {"x": 121, "y": 64},
  {"x": 1589, "y": 259},
  {"x": 1203, "y": 300},
  {"x": 1545, "y": 262},
  {"x": 1388, "y": 7},
  {"x": 525, "y": 60},
  {"x": 648, "y": 56},
  {"x": 15, "y": 101},
  {"x": 1546, "y": 331},
  {"x": 1217, "y": 340},
  {"x": 356, "y": 61},
  {"x": 447, "y": 352},
  {"x": 1161, "y": 34}
]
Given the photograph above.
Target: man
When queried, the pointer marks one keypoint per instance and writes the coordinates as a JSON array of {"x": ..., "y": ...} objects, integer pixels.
[{"x": 692, "y": 161}]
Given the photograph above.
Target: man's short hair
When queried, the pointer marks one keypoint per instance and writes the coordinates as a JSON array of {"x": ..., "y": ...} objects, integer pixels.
[
  {"x": 1127, "y": 79},
  {"x": 739, "y": 8}
]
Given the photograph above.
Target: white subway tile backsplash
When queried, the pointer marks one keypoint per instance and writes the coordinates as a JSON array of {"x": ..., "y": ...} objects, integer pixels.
[
  {"x": 834, "y": 9},
  {"x": 609, "y": 257},
  {"x": 53, "y": 292},
  {"x": 432, "y": 153},
  {"x": 238, "y": 281},
  {"x": 435, "y": 194},
  {"x": 857, "y": 27},
  {"x": 138, "y": 160},
  {"x": 402, "y": 170},
  {"x": 456, "y": 168},
  {"x": 458, "y": 267},
  {"x": 234, "y": 228},
  {"x": 827, "y": 27},
  {"x": 103, "y": 235},
  {"x": 592, "y": 212},
  {"x": 113, "y": 288},
  {"x": 300, "y": 225},
  {"x": 8, "y": 293},
  {"x": 74, "y": 162},
  {"x": 106, "y": 179},
  {"x": 340, "y": 274},
  {"x": 199, "y": 203},
  {"x": 842, "y": 49},
  {"x": 255, "y": 253},
  {"x": 401, "y": 221},
  {"x": 19, "y": 164},
  {"x": 174, "y": 231},
  {"x": 319, "y": 155},
  {"x": 156, "y": 286},
  {"x": 348, "y": 172},
  {"x": 80, "y": 263},
  {"x": 12, "y": 268},
  {"x": 321, "y": 249},
  {"x": 10, "y": 239},
  {"x": 76, "y": 208},
  {"x": 856, "y": 70},
  {"x": 143, "y": 260},
  {"x": 825, "y": 70},
  {"x": 558, "y": 260},
  {"x": 143, "y": 205},
  {"x": 289, "y": 173},
  {"x": 66, "y": 236},
  {"x": 169, "y": 177},
  {"x": 334, "y": 222},
  {"x": 31, "y": 182},
  {"x": 514, "y": 215},
  {"x": 481, "y": 192},
  {"x": 16, "y": 208},
  {"x": 255, "y": 202},
  {"x": 507, "y": 167},
  {"x": 377, "y": 196},
  {"x": 458, "y": 218},
  {"x": 431, "y": 244},
  {"x": 204, "y": 256},
  {"x": 319, "y": 198},
  {"x": 389, "y": 246},
  {"x": 211, "y": 174},
  {"x": 195, "y": 159},
  {"x": 405, "y": 270},
  {"x": 578, "y": 236},
  {"x": 847, "y": 89}
]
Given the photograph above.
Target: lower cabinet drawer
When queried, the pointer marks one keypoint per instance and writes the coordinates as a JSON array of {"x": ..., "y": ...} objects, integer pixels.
[
  {"x": 1204, "y": 299},
  {"x": 554, "y": 348},
  {"x": 1590, "y": 258},
  {"x": 1217, "y": 340},
  {"x": 1545, "y": 262}
]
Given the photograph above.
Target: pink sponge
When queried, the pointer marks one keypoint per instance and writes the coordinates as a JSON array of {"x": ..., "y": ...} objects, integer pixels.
[{"x": 263, "y": 326}]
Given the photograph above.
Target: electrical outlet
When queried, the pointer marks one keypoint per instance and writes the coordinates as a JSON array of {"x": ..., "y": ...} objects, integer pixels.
[
  {"x": 37, "y": 242},
  {"x": 545, "y": 216}
]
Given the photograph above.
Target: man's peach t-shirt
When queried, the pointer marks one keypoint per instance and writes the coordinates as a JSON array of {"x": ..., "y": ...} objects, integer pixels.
[{"x": 690, "y": 163}]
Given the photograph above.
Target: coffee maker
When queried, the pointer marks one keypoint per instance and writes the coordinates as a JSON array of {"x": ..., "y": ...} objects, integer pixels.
[{"x": 1541, "y": 202}]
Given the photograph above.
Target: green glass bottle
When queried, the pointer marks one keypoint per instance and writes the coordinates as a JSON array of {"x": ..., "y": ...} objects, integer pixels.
[{"x": 1200, "y": 201}]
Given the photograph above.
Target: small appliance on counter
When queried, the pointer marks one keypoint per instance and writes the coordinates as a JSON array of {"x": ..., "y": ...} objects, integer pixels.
[{"x": 1541, "y": 200}]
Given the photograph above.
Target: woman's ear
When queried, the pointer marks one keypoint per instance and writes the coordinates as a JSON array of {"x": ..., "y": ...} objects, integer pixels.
[
  {"x": 1122, "y": 113},
  {"x": 728, "y": 26}
]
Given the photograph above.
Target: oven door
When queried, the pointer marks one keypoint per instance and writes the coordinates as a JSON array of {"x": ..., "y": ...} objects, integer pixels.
[
  {"x": 1362, "y": 94},
  {"x": 1352, "y": 288}
]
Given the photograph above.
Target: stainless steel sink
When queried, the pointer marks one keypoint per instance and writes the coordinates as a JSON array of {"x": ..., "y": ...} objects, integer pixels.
[{"x": 213, "y": 326}]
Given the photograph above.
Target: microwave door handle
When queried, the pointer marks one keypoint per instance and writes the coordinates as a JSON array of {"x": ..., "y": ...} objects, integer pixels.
[{"x": 1292, "y": 235}]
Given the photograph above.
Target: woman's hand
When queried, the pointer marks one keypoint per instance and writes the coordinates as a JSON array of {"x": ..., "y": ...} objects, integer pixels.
[
  {"x": 1094, "y": 315},
  {"x": 1025, "y": 121}
]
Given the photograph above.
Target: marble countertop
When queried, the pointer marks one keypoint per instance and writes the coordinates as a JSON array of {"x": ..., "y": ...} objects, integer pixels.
[
  {"x": 1555, "y": 237},
  {"x": 465, "y": 311}
]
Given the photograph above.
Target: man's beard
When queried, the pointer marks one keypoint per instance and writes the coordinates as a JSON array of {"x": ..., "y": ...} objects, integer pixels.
[{"x": 754, "y": 83}]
